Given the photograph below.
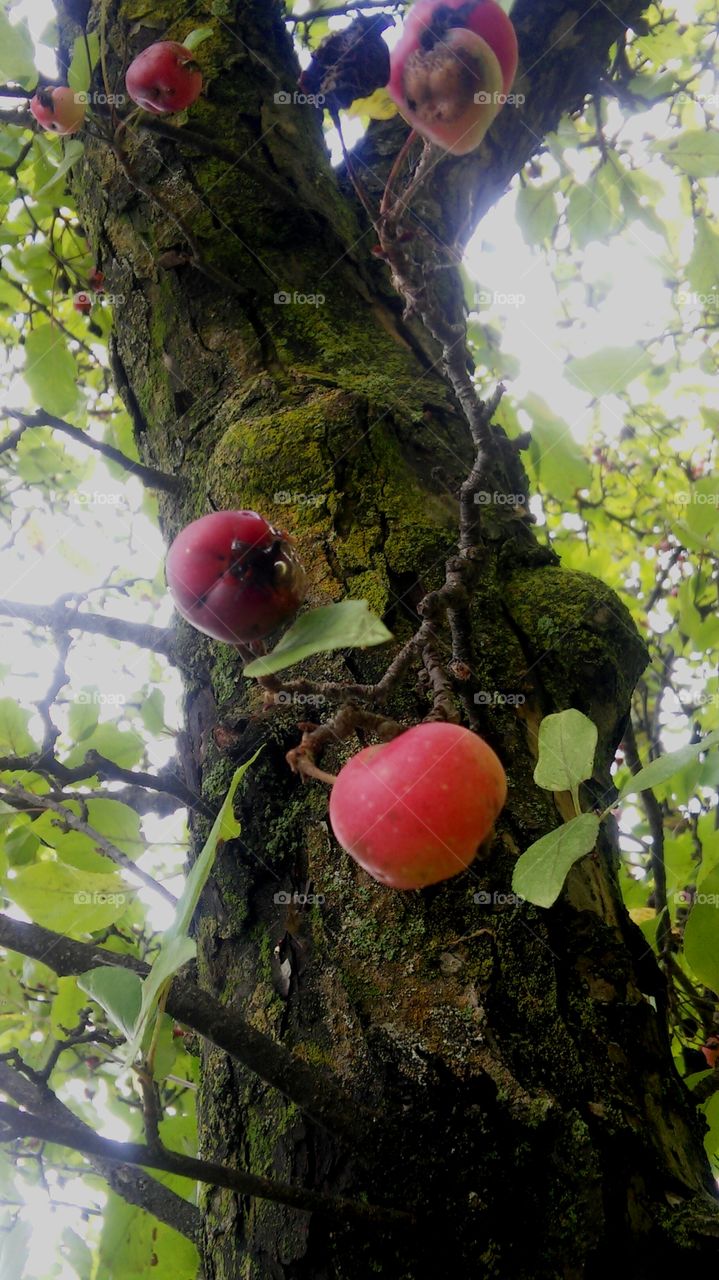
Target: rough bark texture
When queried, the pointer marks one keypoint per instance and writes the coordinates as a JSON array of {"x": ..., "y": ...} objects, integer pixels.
[{"x": 534, "y": 1117}]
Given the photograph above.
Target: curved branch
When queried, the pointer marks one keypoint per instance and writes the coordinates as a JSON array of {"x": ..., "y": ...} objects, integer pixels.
[
  {"x": 149, "y": 476},
  {"x": 316, "y": 1093}
]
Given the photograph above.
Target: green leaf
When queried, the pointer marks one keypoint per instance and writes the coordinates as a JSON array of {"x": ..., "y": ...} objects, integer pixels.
[
  {"x": 543, "y": 868},
  {"x": 121, "y": 746},
  {"x": 609, "y": 370},
  {"x": 567, "y": 743},
  {"x": 701, "y": 933},
  {"x": 133, "y": 1244},
  {"x": 695, "y": 152},
  {"x": 66, "y": 1007},
  {"x": 77, "y": 1254},
  {"x": 663, "y": 768},
  {"x": 73, "y": 150},
  {"x": 50, "y": 370},
  {"x": 537, "y": 212},
  {"x": 557, "y": 460},
  {"x": 80, "y": 70},
  {"x": 15, "y": 1251},
  {"x": 67, "y": 900},
  {"x": 18, "y": 53},
  {"x": 14, "y": 737},
  {"x": 348, "y": 625},
  {"x": 594, "y": 208},
  {"x": 703, "y": 266},
  {"x": 197, "y": 37},
  {"x": 118, "y": 991},
  {"x": 176, "y": 948}
]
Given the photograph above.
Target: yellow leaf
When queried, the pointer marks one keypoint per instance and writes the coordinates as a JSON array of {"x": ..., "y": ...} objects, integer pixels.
[{"x": 379, "y": 106}]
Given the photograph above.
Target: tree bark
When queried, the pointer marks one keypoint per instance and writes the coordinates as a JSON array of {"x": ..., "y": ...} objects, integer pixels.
[{"x": 535, "y": 1123}]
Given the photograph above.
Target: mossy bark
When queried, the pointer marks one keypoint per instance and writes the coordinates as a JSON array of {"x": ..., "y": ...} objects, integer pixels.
[{"x": 535, "y": 1119}]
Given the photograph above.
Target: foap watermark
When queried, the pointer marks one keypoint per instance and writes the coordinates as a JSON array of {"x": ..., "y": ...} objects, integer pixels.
[
  {"x": 496, "y": 298},
  {"x": 83, "y": 898},
  {"x": 94, "y": 698},
  {"x": 101, "y": 99},
  {"x": 283, "y": 498},
  {"x": 286, "y": 699},
  {"x": 685, "y": 498},
  {"x": 687, "y": 898},
  {"x": 493, "y": 698},
  {"x": 483, "y": 898},
  {"x": 686, "y": 298},
  {"x": 84, "y": 301},
  {"x": 285, "y": 899},
  {"x": 484, "y": 98},
  {"x": 283, "y": 298},
  {"x": 283, "y": 98},
  {"x": 486, "y": 499},
  {"x": 97, "y": 498}
]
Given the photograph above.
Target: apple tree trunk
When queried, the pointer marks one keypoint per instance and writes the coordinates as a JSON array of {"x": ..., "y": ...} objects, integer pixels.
[{"x": 534, "y": 1124}]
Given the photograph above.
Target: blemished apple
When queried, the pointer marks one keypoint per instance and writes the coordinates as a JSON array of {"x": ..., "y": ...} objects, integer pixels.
[
  {"x": 164, "y": 78},
  {"x": 452, "y": 68},
  {"x": 415, "y": 810},
  {"x": 58, "y": 110},
  {"x": 234, "y": 576}
]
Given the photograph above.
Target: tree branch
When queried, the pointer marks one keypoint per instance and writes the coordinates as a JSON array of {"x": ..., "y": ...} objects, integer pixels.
[
  {"x": 316, "y": 1093},
  {"x": 71, "y": 822},
  {"x": 149, "y": 476},
  {"x": 60, "y": 617},
  {"x": 136, "y": 1188},
  {"x": 23, "y": 1125},
  {"x": 96, "y": 765}
]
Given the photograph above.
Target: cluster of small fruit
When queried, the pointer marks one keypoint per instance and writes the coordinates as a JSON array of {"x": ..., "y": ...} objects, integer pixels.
[
  {"x": 163, "y": 78},
  {"x": 413, "y": 811}
]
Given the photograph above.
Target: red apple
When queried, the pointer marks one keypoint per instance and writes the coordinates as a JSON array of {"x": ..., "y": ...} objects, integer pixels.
[
  {"x": 164, "y": 77},
  {"x": 58, "y": 110},
  {"x": 452, "y": 69},
  {"x": 415, "y": 810},
  {"x": 234, "y": 576}
]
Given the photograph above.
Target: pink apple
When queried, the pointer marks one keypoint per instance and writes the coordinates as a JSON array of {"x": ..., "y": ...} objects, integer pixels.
[
  {"x": 58, "y": 110},
  {"x": 415, "y": 810}
]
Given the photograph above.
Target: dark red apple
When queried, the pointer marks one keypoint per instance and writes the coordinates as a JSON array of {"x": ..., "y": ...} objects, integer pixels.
[
  {"x": 415, "y": 810},
  {"x": 58, "y": 110},
  {"x": 452, "y": 69},
  {"x": 164, "y": 77},
  {"x": 234, "y": 576}
]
